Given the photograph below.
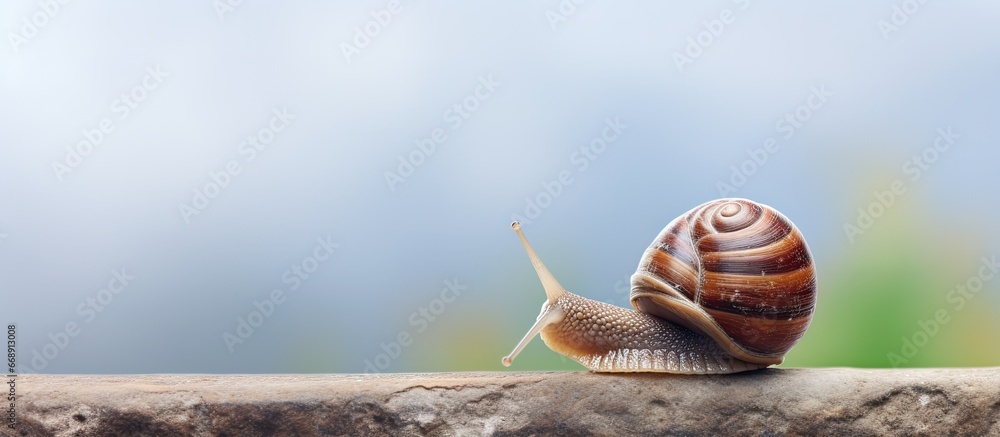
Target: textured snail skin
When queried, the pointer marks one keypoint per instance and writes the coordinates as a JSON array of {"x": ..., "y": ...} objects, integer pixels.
[
  {"x": 735, "y": 270},
  {"x": 608, "y": 338}
]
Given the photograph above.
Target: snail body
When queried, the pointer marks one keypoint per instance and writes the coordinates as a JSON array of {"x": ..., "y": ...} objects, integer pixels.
[{"x": 727, "y": 287}]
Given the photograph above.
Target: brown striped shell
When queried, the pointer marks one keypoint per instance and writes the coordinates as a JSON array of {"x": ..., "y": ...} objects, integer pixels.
[{"x": 735, "y": 270}]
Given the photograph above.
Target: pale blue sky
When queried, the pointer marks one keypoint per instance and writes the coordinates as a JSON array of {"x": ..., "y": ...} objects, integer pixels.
[{"x": 324, "y": 174}]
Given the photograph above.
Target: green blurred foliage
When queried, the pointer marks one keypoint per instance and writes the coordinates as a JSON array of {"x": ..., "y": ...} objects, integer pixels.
[{"x": 874, "y": 297}]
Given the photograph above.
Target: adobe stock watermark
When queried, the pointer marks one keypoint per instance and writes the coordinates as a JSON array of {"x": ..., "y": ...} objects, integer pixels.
[
  {"x": 623, "y": 289},
  {"x": 123, "y": 107},
  {"x": 47, "y": 11},
  {"x": 788, "y": 125},
  {"x": 293, "y": 278},
  {"x": 248, "y": 149},
  {"x": 223, "y": 7},
  {"x": 562, "y": 12},
  {"x": 701, "y": 41},
  {"x": 899, "y": 16},
  {"x": 419, "y": 320},
  {"x": 88, "y": 310},
  {"x": 580, "y": 159},
  {"x": 958, "y": 297},
  {"x": 454, "y": 117},
  {"x": 10, "y": 413},
  {"x": 914, "y": 167},
  {"x": 366, "y": 33}
]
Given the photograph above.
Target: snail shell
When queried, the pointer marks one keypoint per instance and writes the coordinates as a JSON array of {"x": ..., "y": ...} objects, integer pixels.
[{"x": 735, "y": 270}]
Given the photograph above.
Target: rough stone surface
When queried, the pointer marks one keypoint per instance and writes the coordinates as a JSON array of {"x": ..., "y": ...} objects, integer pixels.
[{"x": 770, "y": 402}]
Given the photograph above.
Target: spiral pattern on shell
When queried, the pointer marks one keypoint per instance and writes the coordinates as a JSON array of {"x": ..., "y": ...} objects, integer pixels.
[{"x": 735, "y": 270}]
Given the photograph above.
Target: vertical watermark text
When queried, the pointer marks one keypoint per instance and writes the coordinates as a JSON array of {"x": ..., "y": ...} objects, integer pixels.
[{"x": 11, "y": 410}]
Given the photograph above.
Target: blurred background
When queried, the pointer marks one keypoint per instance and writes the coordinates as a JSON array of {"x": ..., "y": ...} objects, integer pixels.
[{"x": 236, "y": 187}]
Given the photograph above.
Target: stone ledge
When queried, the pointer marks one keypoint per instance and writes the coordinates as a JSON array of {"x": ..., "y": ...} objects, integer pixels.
[{"x": 766, "y": 402}]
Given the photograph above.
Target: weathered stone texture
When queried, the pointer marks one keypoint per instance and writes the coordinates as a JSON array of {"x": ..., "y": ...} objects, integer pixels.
[{"x": 771, "y": 402}]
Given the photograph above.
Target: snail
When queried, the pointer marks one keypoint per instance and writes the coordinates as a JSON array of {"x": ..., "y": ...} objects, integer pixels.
[{"x": 727, "y": 287}]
